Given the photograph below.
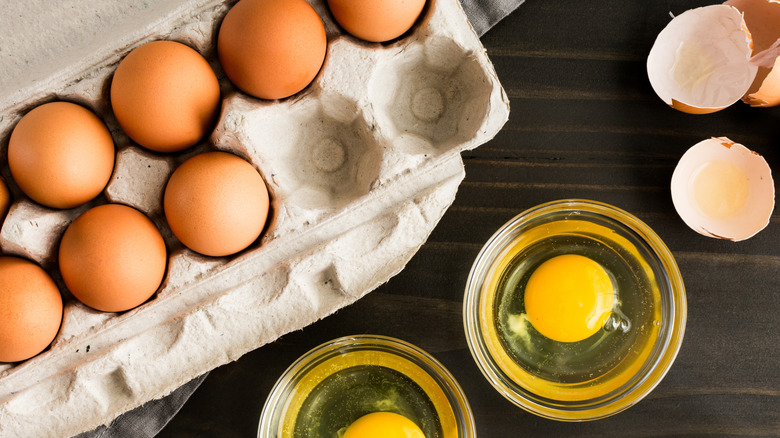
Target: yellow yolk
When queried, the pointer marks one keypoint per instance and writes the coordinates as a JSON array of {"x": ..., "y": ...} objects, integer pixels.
[
  {"x": 383, "y": 425},
  {"x": 568, "y": 298}
]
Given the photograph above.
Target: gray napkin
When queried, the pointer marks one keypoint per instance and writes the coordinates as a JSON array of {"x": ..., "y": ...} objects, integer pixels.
[
  {"x": 484, "y": 14},
  {"x": 149, "y": 419}
]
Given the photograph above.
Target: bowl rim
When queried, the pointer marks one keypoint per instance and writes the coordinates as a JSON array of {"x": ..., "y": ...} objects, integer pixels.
[
  {"x": 653, "y": 371},
  {"x": 276, "y": 402}
]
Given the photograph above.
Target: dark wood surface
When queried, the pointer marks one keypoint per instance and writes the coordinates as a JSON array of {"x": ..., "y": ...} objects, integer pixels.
[{"x": 584, "y": 123}]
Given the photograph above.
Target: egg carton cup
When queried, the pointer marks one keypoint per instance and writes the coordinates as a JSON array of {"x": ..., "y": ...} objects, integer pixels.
[{"x": 361, "y": 166}]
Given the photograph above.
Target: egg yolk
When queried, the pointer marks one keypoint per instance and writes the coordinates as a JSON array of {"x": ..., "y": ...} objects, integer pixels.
[
  {"x": 569, "y": 297},
  {"x": 383, "y": 425}
]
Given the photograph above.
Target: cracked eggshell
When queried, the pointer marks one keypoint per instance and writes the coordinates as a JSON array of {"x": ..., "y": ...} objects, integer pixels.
[
  {"x": 722, "y": 189},
  {"x": 762, "y": 18},
  {"x": 700, "y": 61}
]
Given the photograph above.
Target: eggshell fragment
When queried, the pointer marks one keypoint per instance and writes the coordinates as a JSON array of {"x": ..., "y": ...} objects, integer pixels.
[
  {"x": 700, "y": 61},
  {"x": 762, "y": 18},
  {"x": 724, "y": 190},
  {"x": 376, "y": 20},
  {"x": 30, "y": 309},
  {"x": 765, "y": 91}
]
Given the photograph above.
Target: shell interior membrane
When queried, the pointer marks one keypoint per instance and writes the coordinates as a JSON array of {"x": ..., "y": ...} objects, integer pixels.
[
  {"x": 762, "y": 18},
  {"x": 700, "y": 61},
  {"x": 722, "y": 189}
]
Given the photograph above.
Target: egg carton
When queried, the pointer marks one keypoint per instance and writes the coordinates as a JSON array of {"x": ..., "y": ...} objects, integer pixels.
[{"x": 361, "y": 165}]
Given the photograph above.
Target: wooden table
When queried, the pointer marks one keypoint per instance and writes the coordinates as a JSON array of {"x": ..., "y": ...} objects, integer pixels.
[{"x": 584, "y": 123}]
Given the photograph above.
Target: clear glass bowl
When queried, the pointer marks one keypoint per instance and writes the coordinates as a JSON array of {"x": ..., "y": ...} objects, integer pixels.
[
  {"x": 606, "y": 372},
  {"x": 328, "y": 379}
]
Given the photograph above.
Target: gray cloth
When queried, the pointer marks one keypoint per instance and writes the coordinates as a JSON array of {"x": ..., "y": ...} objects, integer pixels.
[
  {"x": 147, "y": 420},
  {"x": 484, "y": 14}
]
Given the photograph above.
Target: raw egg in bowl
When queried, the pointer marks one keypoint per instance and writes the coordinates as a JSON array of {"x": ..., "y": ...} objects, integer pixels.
[
  {"x": 574, "y": 310},
  {"x": 366, "y": 385}
]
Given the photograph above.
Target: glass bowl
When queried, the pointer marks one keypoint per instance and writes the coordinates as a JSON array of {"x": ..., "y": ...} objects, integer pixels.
[
  {"x": 334, "y": 384},
  {"x": 598, "y": 375}
]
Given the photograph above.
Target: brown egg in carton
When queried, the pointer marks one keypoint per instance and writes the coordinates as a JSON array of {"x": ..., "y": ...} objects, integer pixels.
[{"x": 360, "y": 166}]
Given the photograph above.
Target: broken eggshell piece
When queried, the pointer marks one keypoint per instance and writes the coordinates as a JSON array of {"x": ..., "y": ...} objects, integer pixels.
[
  {"x": 724, "y": 190},
  {"x": 762, "y": 18},
  {"x": 700, "y": 62}
]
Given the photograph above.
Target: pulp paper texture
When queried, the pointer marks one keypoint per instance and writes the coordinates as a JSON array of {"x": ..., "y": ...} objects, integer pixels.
[{"x": 398, "y": 115}]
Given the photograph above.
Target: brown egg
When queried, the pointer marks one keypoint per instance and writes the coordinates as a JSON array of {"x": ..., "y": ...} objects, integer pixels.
[
  {"x": 216, "y": 203},
  {"x": 165, "y": 96},
  {"x": 272, "y": 48},
  {"x": 61, "y": 155},
  {"x": 30, "y": 309},
  {"x": 5, "y": 200},
  {"x": 376, "y": 20},
  {"x": 112, "y": 258}
]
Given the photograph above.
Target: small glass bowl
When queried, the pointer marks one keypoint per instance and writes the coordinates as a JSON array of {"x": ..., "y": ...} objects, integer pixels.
[
  {"x": 607, "y": 372},
  {"x": 320, "y": 368}
]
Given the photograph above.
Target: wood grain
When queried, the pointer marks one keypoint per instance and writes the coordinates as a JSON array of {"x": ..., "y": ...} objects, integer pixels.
[{"x": 585, "y": 123}]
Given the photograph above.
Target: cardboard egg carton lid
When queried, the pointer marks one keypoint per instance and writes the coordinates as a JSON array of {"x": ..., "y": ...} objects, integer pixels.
[{"x": 361, "y": 166}]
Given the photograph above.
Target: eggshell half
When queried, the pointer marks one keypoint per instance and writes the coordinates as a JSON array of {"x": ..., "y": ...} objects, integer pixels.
[
  {"x": 762, "y": 18},
  {"x": 699, "y": 62},
  {"x": 724, "y": 190}
]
